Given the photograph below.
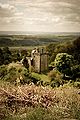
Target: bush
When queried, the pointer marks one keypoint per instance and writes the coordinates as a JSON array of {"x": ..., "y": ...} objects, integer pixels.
[
  {"x": 63, "y": 63},
  {"x": 56, "y": 78},
  {"x": 11, "y": 75},
  {"x": 14, "y": 73},
  {"x": 54, "y": 74},
  {"x": 75, "y": 71}
]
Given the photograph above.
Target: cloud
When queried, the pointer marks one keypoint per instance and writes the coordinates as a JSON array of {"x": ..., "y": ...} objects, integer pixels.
[
  {"x": 9, "y": 14},
  {"x": 46, "y": 13},
  {"x": 6, "y": 10}
]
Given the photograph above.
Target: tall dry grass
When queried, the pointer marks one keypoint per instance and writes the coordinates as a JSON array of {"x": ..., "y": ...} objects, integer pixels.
[{"x": 30, "y": 102}]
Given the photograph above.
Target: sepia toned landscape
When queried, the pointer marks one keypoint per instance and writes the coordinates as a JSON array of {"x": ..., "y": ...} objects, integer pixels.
[
  {"x": 39, "y": 60},
  {"x": 40, "y": 81}
]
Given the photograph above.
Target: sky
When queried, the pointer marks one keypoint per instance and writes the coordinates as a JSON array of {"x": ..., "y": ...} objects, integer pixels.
[{"x": 40, "y": 15}]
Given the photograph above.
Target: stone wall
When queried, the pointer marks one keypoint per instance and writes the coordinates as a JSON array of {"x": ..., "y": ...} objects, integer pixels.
[
  {"x": 37, "y": 62},
  {"x": 44, "y": 62},
  {"x": 40, "y": 60}
]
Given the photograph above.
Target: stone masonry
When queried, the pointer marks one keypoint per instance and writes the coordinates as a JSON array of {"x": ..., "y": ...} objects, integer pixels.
[{"x": 39, "y": 59}]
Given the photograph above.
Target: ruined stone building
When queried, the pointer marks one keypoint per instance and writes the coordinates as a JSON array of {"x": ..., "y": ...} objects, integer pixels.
[{"x": 39, "y": 60}]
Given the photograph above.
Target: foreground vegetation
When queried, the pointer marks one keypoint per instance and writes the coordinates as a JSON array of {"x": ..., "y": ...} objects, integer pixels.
[{"x": 29, "y": 102}]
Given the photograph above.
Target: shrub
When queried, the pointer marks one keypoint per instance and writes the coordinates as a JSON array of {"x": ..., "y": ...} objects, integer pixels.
[
  {"x": 14, "y": 73},
  {"x": 75, "y": 71},
  {"x": 56, "y": 78},
  {"x": 63, "y": 63},
  {"x": 54, "y": 74},
  {"x": 11, "y": 75}
]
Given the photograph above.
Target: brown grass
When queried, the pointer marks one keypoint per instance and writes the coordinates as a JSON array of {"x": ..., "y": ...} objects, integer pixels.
[{"x": 63, "y": 101}]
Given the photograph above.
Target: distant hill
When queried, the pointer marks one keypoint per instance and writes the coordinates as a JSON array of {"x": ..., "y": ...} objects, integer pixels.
[
  {"x": 37, "y": 33},
  {"x": 33, "y": 40}
]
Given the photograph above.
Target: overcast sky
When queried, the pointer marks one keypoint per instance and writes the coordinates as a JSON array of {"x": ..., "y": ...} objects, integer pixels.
[{"x": 40, "y": 15}]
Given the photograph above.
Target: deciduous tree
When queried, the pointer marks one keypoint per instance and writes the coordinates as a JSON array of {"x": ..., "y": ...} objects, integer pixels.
[{"x": 63, "y": 63}]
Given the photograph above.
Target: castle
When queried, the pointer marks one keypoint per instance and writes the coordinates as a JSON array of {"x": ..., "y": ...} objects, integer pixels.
[{"x": 38, "y": 60}]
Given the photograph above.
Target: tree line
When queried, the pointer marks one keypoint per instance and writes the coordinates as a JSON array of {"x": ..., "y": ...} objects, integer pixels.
[
  {"x": 6, "y": 56},
  {"x": 65, "y": 57}
]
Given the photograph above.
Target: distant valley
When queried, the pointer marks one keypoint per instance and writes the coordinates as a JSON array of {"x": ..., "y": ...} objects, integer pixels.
[{"x": 33, "y": 39}]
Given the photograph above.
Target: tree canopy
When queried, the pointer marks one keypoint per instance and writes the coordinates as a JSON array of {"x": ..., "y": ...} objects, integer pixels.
[{"x": 63, "y": 63}]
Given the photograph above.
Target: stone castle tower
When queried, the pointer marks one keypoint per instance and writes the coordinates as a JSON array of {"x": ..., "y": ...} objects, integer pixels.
[{"x": 39, "y": 60}]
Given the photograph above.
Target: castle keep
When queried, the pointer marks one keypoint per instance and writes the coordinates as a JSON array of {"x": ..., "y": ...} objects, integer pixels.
[{"x": 39, "y": 60}]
